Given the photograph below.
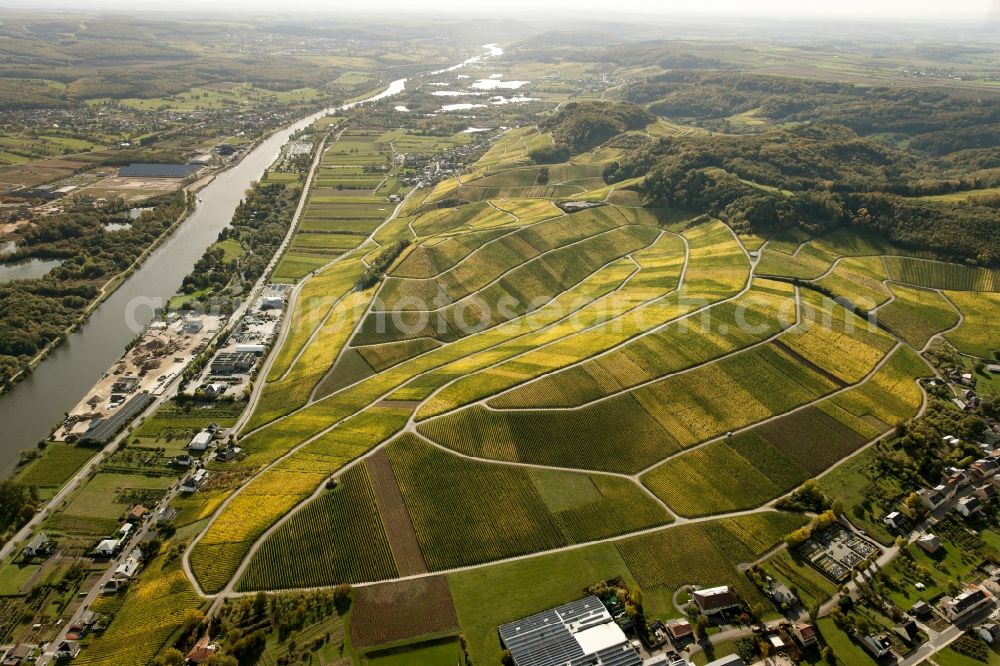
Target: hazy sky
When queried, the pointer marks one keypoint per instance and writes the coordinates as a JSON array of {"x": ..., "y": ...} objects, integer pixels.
[{"x": 892, "y": 9}]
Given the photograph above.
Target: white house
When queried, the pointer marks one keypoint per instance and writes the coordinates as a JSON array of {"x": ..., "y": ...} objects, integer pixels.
[
  {"x": 106, "y": 548},
  {"x": 128, "y": 568},
  {"x": 967, "y": 506},
  {"x": 973, "y": 599},
  {"x": 715, "y": 599},
  {"x": 893, "y": 519},
  {"x": 929, "y": 542},
  {"x": 200, "y": 441},
  {"x": 40, "y": 546},
  {"x": 194, "y": 481}
]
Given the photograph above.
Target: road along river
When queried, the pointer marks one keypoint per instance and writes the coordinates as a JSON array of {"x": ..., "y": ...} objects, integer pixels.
[{"x": 36, "y": 404}]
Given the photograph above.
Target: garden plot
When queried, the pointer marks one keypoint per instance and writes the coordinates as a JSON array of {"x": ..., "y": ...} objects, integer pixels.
[{"x": 836, "y": 552}]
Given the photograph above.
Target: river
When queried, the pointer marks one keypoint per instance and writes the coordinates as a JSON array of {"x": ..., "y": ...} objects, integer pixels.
[{"x": 34, "y": 406}]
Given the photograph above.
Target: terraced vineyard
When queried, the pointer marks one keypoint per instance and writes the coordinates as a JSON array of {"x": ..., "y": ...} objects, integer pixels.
[{"x": 634, "y": 385}]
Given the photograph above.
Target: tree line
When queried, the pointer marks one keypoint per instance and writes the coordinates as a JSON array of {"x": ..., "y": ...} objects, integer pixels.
[{"x": 37, "y": 312}]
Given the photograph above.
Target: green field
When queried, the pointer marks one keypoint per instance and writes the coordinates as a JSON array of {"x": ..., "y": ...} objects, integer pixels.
[
  {"x": 917, "y": 314},
  {"x": 443, "y": 653},
  {"x": 349, "y": 511},
  {"x": 54, "y": 467},
  {"x": 977, "y": 333},
  {"x": 525, "y": 587},
  {"x": 527, "y": 511},
  {"x": 760, "y": 464}
]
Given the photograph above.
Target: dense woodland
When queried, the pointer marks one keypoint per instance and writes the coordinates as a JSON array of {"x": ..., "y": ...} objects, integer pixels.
[
  {"x": 34, "y": 313},
  {"x": 707, "y": 96},
  {"x": 579, "y": 126},
  {"x": 830, "y": 155},
  {"x": 259, "y": 225}
]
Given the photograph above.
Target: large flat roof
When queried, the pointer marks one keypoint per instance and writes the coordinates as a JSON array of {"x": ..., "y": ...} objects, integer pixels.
[
  {"x": 601, "y": 637},
  {"x": 102, "y": 430},
  {"x": 141, "y": 170},
  {"x": 579, "y": 633}
]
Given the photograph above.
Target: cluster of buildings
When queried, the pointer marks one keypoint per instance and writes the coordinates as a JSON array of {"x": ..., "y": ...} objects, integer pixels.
[
  {"x": 112, "y": 545},
  {"x": 229, "y": 370},
  {"x": 584, "y": 633},
  {"x": 967, "y": 488},
  {"x": 430, "y": 170}
]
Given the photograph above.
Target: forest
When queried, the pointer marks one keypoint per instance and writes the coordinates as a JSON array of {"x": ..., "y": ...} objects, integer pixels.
[
  {"x": 820, "y": 177},
  {"x": 35, "y": 313},
  {"x": 259, "y": 225},
  {"x": 579, "y": 126}
]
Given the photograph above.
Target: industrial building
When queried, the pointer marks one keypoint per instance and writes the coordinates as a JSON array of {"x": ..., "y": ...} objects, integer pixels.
[
  {"x": 575, "y": 634},
  {"x": 139, "y": 170},
  {"x": 102, "y": 430},
  {"x": 231, "y": 363}
]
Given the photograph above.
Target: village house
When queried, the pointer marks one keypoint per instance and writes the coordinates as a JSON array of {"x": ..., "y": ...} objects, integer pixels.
[
  {"x": 114, "y": 585},
  {"x": 193, "y": 481},
  {"x": 921, "y": 610},
  {"x": 805, "y": 634},
  {"x": 128, "y": 569},
  {"x": 67, "y": 650},
  {"x": 907, "y": 630},
  {"x": 893, "y": 520},
  {"x": 39, "y": 546},
  {"x": 930, "y": 543},
  {"x": 106, "y": 548},
  {"x": 782, "y": 595},
  {"x": 88, "y": 620},
  {"x": 985, "y": 493},
  {"x": 932, "y": 498},
  {"x": 200, "y": 441},
  {"x": 202, "y": 650},
  {"x": 984, "y": 468},
  {"x": 680, "y": 631},
  {"x": 17, "y": 655},
  {"x": 137, "y": 513},
  {"x": 164, "y": 515},
  {"x": 877, "y": 646},
  {"x": 956, "y": 478},
  {"x": 967, "y": 506},
  {"x": 213, "y": 390},
  {"x": 965, "y": 604},
  {"x": 714, "y": 600}
]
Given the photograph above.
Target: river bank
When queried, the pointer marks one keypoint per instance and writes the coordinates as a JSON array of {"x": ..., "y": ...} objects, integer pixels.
[{"x": 39, "y": 401}]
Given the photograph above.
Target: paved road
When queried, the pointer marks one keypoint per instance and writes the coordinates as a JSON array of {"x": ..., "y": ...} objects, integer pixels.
[
  {"x": 228, "y": 591},
  {"x": 137, "y": 538},
  {"x": 938, "y": 640}
]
